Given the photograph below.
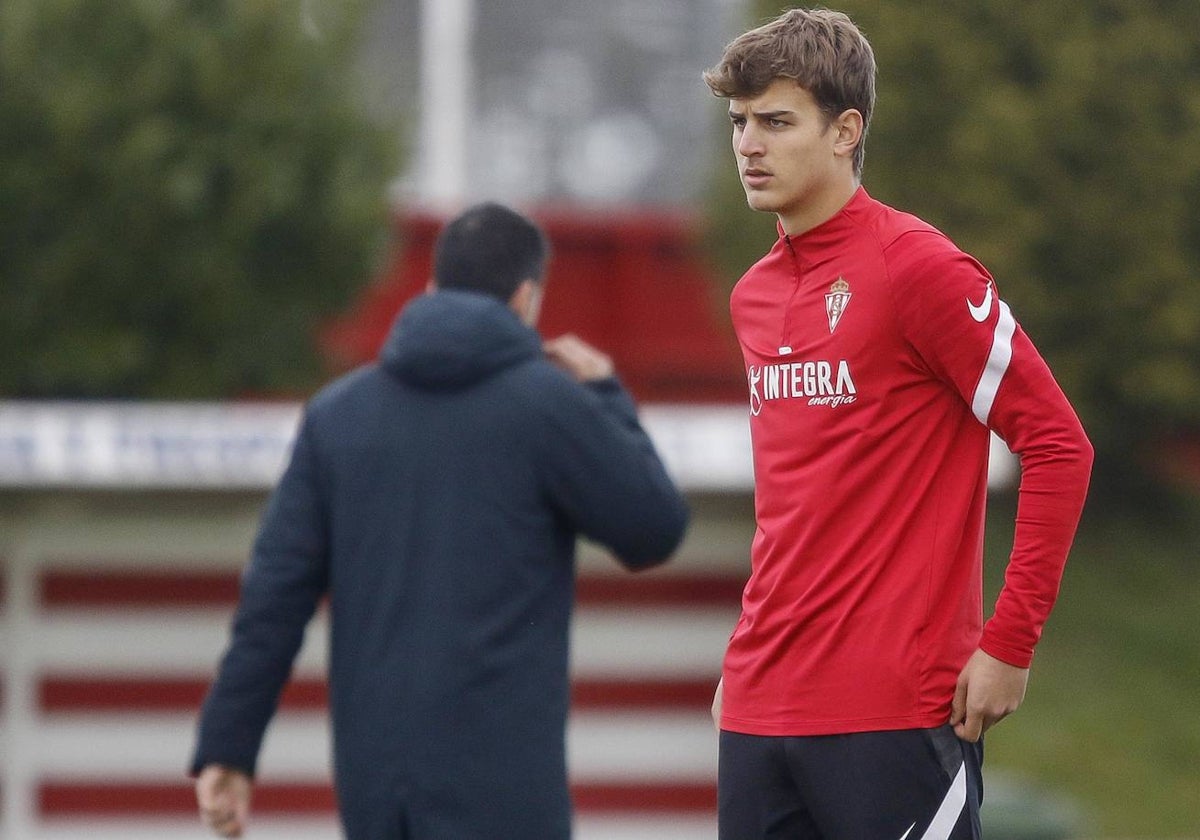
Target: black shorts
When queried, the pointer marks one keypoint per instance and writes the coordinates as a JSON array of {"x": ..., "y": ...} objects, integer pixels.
[{"x": 911, "y": 784}]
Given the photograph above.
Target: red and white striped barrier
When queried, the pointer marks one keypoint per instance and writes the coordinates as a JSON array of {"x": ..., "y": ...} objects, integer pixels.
[{"x": 106, "y": 666}]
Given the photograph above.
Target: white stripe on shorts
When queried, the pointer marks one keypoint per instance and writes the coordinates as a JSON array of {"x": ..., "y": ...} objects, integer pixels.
[{"x": 951, "y": 808}]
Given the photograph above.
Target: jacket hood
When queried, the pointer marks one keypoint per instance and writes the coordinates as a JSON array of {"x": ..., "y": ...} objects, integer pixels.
[{"x": 450, "y": 339}]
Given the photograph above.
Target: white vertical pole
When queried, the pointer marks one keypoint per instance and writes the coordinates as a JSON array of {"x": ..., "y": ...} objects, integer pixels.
[
  {"x": 441, "y": 156},
  {"x": 16, "y": 767}
]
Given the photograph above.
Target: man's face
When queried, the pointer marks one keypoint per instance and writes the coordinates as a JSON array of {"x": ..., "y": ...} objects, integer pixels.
[{"x": 785, "y": 149}]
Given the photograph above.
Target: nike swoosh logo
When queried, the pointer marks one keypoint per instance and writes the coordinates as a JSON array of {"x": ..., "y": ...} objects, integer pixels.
[
  {"x": 980, "y": 313},
  {"x": 904, "y": 836}
]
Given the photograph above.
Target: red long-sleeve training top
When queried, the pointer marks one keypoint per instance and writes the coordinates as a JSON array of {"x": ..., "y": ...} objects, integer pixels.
[{"x": 878, "y": 355}]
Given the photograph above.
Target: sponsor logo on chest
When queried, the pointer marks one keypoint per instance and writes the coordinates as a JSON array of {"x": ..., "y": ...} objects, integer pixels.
[
  {"x": 819, "y": 383},
  {"x": 816, "y": 382}
]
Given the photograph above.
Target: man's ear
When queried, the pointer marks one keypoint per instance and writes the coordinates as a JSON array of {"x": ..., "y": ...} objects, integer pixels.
[
  {"x": 849, "y": 127},
  {"x": 526, "y": 301}
]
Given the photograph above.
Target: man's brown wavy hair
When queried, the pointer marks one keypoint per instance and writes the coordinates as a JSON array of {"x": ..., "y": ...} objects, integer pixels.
[{"x": 822, "y": 50}]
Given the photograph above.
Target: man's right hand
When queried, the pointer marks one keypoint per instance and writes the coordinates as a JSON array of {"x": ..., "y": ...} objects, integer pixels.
[
  {"x": 988, "y": 691},
  {"x": 578, "y": 358},
  {"x": 223, "y": 795},
  {"x": 716, "y": 704}
]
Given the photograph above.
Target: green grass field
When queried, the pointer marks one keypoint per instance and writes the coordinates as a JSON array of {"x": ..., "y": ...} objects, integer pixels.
[{"x": 1112, "y": 715}]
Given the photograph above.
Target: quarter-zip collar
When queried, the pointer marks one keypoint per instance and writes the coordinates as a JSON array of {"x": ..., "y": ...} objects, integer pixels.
[{"x": 829, "y": 231}]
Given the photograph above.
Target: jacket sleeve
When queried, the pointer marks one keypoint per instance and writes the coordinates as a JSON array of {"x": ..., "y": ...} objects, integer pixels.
[
  {"x": 280, "y": 589},
  {"x": 952, "y": 314},
  {"x": 603, "y": 473}
]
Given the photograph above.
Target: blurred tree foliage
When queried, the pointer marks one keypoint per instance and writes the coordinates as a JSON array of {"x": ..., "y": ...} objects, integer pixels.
[
  {"x": 1060, "y": 144},
  {"x": 186, "y": 188}
]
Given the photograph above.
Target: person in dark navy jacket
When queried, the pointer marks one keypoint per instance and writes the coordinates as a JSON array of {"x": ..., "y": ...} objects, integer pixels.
[{"x": 435, "y": 497}]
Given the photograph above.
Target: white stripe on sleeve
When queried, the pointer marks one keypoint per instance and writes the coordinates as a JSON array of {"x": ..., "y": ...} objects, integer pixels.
[{"x": 997, "y": 365}]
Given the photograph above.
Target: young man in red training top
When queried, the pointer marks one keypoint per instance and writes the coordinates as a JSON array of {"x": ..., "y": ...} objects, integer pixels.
[{"x": 861, "y": 676}]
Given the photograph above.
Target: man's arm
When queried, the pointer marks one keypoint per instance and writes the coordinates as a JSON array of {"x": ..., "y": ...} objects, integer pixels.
[
  {"x": 601, "y": 467},
  {"x": 952, "y": 313},
  {"x": 283, "y": 583}
]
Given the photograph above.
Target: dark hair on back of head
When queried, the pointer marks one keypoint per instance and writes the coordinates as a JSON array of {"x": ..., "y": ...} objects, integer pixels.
[{"x": 490, "y": 249}]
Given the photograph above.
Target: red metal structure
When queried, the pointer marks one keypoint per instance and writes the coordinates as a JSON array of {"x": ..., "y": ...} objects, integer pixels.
[{"x": 634, "y": 284}]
